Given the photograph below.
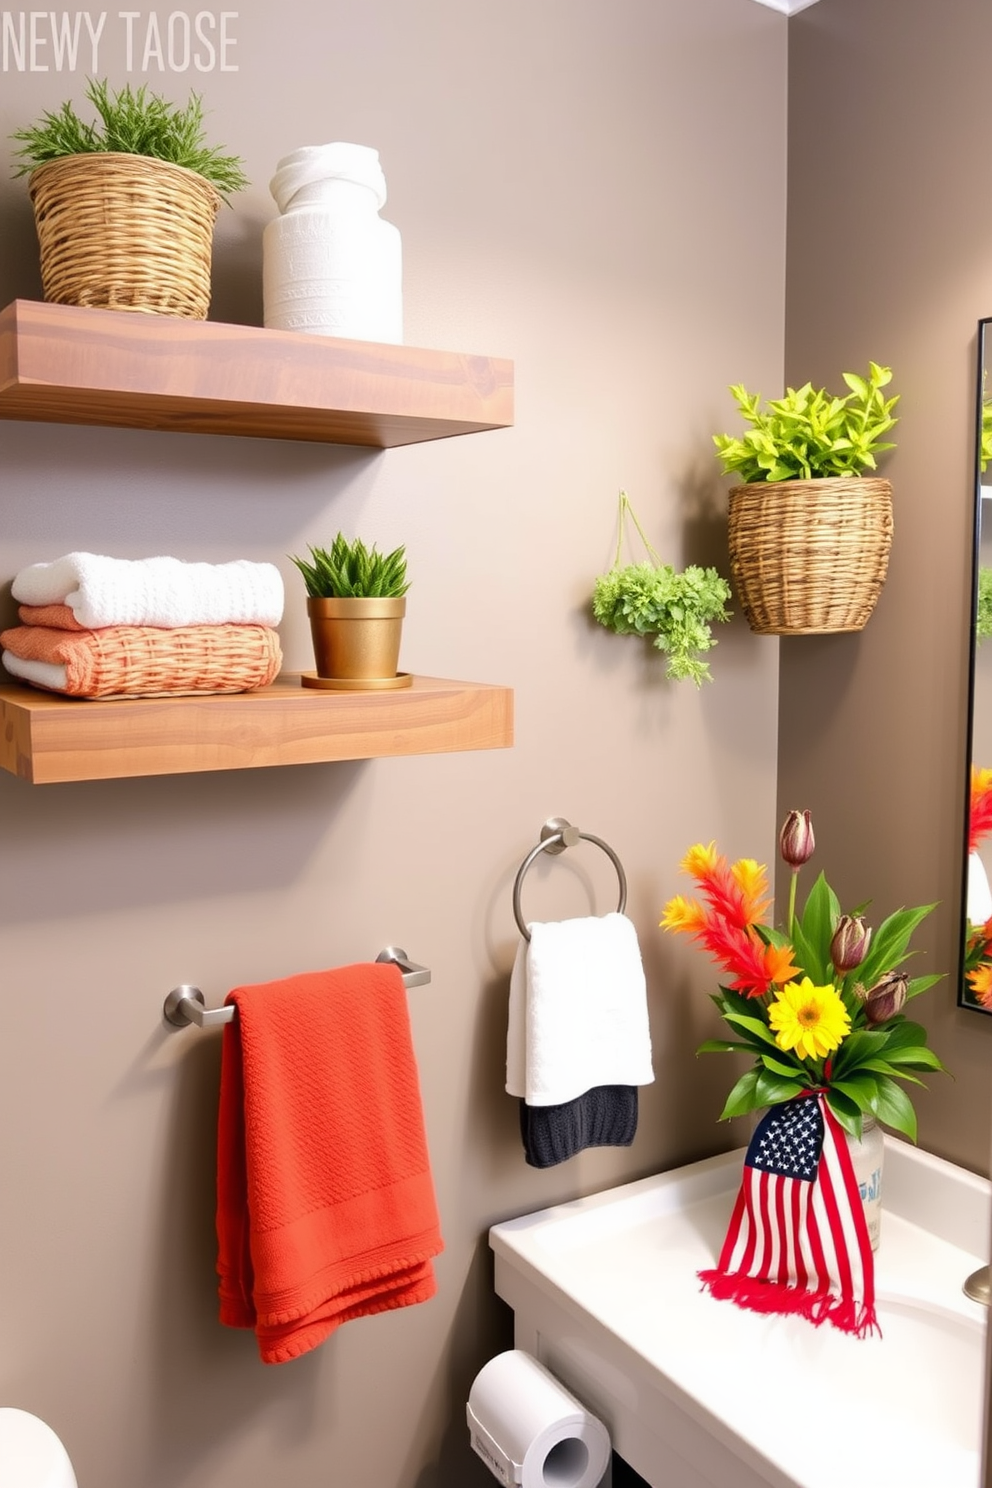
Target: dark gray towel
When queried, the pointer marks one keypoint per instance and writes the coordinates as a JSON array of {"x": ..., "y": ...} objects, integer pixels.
[{"x": 605, "y": 1116}]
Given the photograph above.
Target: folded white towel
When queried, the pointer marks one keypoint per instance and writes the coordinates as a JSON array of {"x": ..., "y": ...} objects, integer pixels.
[
  {"x": 166, "y": 592},
  {"x": 578, "y": 1012},
  {"x": 46, "y": 674}
]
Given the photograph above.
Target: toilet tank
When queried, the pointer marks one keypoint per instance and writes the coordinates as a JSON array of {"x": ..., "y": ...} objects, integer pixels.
[{"x": 31, "y": 1455}]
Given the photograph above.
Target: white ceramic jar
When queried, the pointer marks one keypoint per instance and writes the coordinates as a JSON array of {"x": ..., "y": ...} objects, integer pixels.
[
  {"x": 330, "y": 264},
  {"x": 866, "y": 1158}
]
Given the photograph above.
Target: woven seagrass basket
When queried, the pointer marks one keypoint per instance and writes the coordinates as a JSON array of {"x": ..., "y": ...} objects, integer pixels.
[
  {"x": 125, "y": 232},
  {"x": 809, "y": 557}
]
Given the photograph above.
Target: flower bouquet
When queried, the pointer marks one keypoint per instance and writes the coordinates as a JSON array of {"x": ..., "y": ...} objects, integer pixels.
[
  {"x": 819, "y": 1006},
  {"x": 978, "y": 936}
]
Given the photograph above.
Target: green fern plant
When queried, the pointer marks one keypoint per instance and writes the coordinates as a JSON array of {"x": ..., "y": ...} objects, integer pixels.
[
  {"x": 350, "y": 570},
  {"x": 983, "y": 618},
  {"x": 130, "y": 122},
  {"x": 811, "y": 434},
  {"x": 652, "y": 599}
]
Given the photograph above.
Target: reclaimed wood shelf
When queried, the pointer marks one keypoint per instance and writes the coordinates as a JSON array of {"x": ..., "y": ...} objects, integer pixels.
[
  {"x": 70, "y": 365},
  {"x": 44, "y": 738}
]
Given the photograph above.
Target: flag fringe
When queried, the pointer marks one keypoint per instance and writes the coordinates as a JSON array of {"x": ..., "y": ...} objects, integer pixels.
[{"x": 857, "y": 1318}]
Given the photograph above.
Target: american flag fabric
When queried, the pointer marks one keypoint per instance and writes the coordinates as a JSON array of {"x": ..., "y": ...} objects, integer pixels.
[{"x": 798, "y": 1239}]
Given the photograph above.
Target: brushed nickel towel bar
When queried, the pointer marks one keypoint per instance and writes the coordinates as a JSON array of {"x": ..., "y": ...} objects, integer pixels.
[
  {"x": 556, "y": 835},
  {"x": 185, "y": 1004}
]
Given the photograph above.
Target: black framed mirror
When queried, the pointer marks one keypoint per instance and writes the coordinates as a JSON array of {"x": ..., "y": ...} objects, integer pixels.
[{"x": 975, "y": 980}]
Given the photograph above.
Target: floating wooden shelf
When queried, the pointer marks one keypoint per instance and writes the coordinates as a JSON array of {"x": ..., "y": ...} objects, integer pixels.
[
  {"x": 45, "y": 739},
  {"x": 67, "y": 365}
]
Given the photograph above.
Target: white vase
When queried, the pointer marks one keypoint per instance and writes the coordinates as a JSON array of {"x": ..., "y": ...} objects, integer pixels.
[
  {"x": 979, "y": 898},
  {"x": 867, "y": 1158},
  {"x": 331, "y": 266}
]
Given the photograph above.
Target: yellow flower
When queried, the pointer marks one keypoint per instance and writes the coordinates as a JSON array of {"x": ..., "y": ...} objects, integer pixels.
[
  {"x": 700, "y": 860},
  {"x": 811, "y": 1020},
  {"x": 751, "y": 878},
  {"x": 683, "y": 914}
]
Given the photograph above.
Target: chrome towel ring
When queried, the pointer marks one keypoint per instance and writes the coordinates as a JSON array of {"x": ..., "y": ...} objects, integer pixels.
[{"x": 556, "y": 835}]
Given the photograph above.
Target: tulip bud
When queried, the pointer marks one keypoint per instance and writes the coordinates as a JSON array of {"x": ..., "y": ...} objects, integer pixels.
[
  {"x": 850, "y": 943},
  {"x": 886, "y": 998},
  {"x": 796, "y": 841}
]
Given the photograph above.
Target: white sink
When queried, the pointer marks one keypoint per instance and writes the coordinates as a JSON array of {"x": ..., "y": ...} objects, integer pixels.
[{"x": 697, "y": 1393}]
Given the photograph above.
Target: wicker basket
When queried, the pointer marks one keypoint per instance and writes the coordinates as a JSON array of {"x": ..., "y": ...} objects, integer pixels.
[
  {"x": 125, "y": 232},
  {"x": 809, "y": 557}
]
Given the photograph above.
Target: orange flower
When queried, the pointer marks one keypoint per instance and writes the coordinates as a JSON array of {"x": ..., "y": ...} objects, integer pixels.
[
  {"x": 981, "y": 984},
  {"x": 736, "y": 899},
  {"x": 780, "y": 966}
]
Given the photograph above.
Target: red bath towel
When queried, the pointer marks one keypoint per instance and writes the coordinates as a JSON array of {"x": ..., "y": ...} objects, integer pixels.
[{"x": 325, "y": 1201}]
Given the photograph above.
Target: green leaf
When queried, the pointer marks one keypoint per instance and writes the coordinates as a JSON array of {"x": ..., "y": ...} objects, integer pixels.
[
  {"x": 862, "y": 1090},
  {"x": 894, "y": 1107},
  {"x": 890, "y": 943},
  {"x": 753, "y": 1026},
  {"x": 902, "y": 1033},
  {"x": 882, "y": 1067},
  {"x": 742, "y": 1097},
  {"x": 771, "y": 1090},
  {"x": 721, "y": 1046},
  {"x": 863, "y": 1043},
  {"x": 919, "y": 984},
  {"x": 846, "y": 1111},
  {"x": 914, "y": 1056},
  {"x": 787, "y": 1071}
]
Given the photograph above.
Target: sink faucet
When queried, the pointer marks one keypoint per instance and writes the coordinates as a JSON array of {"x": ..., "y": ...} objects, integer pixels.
[{"x": 977, "y": 1286}]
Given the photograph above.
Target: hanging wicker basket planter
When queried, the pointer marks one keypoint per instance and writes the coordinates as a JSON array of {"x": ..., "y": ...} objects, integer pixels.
[
  {"x": 810, "y": 557},
  {"x": 125, "y": 232}
]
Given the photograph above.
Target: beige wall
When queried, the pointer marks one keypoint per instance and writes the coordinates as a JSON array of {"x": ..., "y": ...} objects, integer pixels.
[
  {"x": 571, "y": 188},
  {"x": 890, "y": 258}
]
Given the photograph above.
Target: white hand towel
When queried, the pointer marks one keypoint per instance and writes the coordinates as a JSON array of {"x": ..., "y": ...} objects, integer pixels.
[
  {"x": 47, "y": 674},
  {"x": 578, "y": 1013},
  {"x": 166, "y": 592}
]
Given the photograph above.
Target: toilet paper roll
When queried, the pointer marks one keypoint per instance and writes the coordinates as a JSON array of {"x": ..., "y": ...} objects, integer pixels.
[{"x": 529, "y": 1430}]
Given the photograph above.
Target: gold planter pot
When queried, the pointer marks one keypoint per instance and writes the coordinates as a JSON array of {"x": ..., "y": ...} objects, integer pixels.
[{"x": 356, "y": 644}]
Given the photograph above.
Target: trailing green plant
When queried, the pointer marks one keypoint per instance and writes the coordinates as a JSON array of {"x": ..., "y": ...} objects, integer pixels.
[
  {"x": 130, "y": 122},
  {"x": 651, "y": 599},
  {"x": 983, "y": 618},
  {"x": 350, "y": 570},
  {"x": 811, "y": 434}
]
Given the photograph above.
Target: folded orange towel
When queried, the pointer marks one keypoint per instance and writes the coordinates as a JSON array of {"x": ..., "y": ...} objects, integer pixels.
[
  {"x": 325, "y": 1201},
  {"x": 144, "y": 661},
  {"x": 55, "y": 616}
]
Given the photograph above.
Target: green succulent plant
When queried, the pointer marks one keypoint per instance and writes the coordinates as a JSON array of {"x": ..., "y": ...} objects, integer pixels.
[
  {"x": 652, "y": 599},
  {"x": 130, "y": 122},
  {"x": 350, "y": 570},
  {"x": 811, "y": 434}
]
